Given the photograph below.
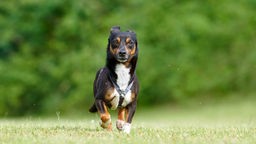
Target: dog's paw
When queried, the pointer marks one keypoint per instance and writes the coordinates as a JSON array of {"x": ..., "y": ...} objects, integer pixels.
[
  {"x": 106, "y": 125},
  {"x": 123, "y": 126},
  {"x": 127, "y": 128},
  {"x": 120, "y": 124}
]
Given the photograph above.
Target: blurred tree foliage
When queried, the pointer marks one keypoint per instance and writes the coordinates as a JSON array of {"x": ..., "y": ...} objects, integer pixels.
[{"x": 50, "y": 50}]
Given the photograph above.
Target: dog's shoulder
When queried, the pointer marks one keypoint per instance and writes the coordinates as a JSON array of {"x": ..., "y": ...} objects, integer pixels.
[
  {"x": 101, "y": 76},
  {"x": 101, "y": 72}
]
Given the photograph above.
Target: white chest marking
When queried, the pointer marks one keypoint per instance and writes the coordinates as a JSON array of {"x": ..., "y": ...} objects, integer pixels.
[{"x": 123, "y": 78}]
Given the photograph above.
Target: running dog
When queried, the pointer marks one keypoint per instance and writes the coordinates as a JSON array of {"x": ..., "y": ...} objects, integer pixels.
[{"x": 116, "y": 85}]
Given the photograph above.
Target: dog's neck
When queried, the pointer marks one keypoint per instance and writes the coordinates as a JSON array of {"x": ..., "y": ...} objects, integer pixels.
[{"x": 122, "y": 73}]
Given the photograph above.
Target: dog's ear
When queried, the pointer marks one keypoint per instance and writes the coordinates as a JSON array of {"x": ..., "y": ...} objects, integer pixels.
[
  {"x": 132, "y": 32},
  {"x": 115, "y": 29}
]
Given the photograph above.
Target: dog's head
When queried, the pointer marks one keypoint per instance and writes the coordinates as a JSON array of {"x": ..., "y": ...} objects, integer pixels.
[{"x": 122, "y": 45}]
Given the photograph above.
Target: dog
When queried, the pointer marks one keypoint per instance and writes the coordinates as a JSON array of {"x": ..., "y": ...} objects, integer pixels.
[{"x": 116, "y": 85}]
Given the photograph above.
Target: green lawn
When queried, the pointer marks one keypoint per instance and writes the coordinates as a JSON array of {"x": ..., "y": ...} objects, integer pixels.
[{"x": 223, "y": 123}]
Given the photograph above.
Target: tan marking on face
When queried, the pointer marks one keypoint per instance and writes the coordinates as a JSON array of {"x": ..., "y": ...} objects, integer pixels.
[
  {"x": 128, "y": 40},
  {"x": 133, "y": 50},
  {"x": 130, "y": 51},
  {"x": 111, "y": 49},
  {"x": 118, "y": 39},
  {"x": 114, "y": 50}
]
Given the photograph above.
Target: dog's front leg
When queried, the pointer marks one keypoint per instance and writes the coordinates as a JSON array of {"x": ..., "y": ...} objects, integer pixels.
[
  {"x": 104, "y": 114},
  {"x": 129, "y": 116},
  {"x": 121, "y": 118},
  {"x": 125, "y": 116}
]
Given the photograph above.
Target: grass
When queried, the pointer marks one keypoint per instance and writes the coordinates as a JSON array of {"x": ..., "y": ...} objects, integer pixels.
[{"x": 221, "y": 123}]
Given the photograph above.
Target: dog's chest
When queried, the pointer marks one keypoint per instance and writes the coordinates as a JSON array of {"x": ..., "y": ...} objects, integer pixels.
[{"x": 123, "y": 78}]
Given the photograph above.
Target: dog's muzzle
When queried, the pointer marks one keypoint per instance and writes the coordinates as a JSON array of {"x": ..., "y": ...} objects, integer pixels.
[{"x": 122, "y": 56}]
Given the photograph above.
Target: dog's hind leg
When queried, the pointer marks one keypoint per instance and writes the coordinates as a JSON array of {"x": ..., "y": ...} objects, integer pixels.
[
  {"x": 104, "y": 114},
  {"x": 93, "y": 109}
]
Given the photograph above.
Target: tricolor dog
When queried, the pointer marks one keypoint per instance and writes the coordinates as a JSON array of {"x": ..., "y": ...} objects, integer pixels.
[{"x": 116, "y": 85}]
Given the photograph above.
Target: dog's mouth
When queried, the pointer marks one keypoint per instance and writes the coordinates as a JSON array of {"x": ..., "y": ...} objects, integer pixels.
[{"x": 122, "y": 58}]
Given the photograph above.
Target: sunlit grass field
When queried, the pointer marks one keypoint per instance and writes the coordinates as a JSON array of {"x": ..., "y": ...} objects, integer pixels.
[{"x": 218, "y": 123}]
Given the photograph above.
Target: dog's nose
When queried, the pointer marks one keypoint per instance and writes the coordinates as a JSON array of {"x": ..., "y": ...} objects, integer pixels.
[{"x": 122, "y": 53}]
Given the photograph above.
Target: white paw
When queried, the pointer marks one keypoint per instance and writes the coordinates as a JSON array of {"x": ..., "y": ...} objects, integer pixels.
[
  {"x": 120, "y": 124},
  {"x": 123, "y": 126},
  {"x": 126, "y": 128}
]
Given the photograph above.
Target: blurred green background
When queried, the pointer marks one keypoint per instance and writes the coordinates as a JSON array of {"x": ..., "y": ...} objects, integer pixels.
[{"x": 191, "y": 52}]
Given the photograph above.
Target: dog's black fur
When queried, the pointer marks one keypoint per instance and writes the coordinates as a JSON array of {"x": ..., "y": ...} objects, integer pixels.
[{"x": 122, "y": 55}]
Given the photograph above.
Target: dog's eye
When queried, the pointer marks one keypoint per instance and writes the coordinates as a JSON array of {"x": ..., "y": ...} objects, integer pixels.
[
  {"x": 115, "y": 43},
  {"x": 130, "y": 44}
]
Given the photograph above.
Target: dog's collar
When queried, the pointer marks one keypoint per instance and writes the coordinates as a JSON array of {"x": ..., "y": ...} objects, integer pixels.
[{"x": 122, "y": 93}]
